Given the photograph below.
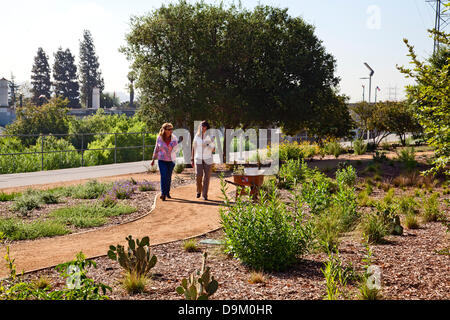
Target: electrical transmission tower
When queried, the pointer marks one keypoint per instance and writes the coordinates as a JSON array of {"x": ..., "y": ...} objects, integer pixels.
[{"x": 442, "y": 20}]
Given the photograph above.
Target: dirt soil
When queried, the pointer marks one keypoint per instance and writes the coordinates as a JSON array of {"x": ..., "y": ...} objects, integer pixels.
[{"x": 181, "y": 217}]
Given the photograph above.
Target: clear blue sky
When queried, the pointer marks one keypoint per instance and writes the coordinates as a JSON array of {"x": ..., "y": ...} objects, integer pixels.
[{"x": 354, "y": 31}]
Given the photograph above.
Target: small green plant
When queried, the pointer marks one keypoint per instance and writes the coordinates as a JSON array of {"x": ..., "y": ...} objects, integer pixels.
[
  {"x": 334, "y": 148},
  {"x": 408, "y": 205},
  {"x": 359, "y": 147},
  {"x": 146, "y": 186},
  {"x": 290, "y": 174},
  {"x": 137, "y": 260},
  {"x": 346, "y": 177},
  {"x": 200, "y": 285},
  {"x": 374, "y": 228},
  {"x": 411, "y": 221},
  {"x": 190, "y": 245},
  {"x": 8, "y": 196},
  {"x": 431, "y": 211},
  {"x": 179, "y": 168},
  {"x": 407, "y": 156},
  {"x": 43, "y": 283},
  {"x": 370, "y": 281},
  {"x": 336, "y": 276},
  {"x": 27, "y": 202},
  {"x": 133, "y": 283},
  {"x": 91, "y": 190}
]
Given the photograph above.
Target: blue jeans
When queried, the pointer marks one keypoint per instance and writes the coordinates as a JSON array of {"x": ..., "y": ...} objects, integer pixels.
[{"x": 165, "y": 169}]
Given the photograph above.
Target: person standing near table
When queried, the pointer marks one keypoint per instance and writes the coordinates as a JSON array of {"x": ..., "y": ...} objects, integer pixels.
[
  {"x": 202, "y": 159},
  {"x": 165, "y": 152}
]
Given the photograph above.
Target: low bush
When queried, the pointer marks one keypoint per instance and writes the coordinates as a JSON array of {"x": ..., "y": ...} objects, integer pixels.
[
  {"x": 290, "y": 151},
  {"x": 373, "y": 226},
  {"x": 9, "y": 196},
  {"x": 359, "y": 147},
  {"x": 263, "y": 235},
  {"x": 334, "y": 148},
  {"x": 16, "y": 229},
  {"x": 411, "y": 221},
  {"x": 290, "y": 174},
  {"x": 346, "y": 176},
  {"x": 431, "y": 211},
  {"x": 85, "y": 216},
  {"x": 90, "y": 190},
  {"x": 27, "y": 202},
  {"x": 179, "y": 168}
]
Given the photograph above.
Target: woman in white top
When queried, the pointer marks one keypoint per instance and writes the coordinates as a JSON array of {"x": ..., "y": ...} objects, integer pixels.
[{"x": 202, "y": 158}]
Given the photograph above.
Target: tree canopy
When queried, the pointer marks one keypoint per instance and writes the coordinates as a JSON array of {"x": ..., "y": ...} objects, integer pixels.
[
  {"x": 236, "y": 67},
  {"x": 430, "y": 97},
  {"x": 89, "y": 68},
  {"x": 65, "y": 77},
  {"x": 40, "y": 78}
]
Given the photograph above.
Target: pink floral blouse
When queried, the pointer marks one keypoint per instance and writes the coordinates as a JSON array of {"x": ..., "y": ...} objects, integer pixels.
[{"x": 166, "y": 152}]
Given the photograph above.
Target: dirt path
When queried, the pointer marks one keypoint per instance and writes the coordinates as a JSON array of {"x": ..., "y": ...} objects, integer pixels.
[{"x": 181, "y": 217}]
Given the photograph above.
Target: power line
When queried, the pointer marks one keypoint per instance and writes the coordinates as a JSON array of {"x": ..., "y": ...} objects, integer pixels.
[{"x": 441, "y": 21}]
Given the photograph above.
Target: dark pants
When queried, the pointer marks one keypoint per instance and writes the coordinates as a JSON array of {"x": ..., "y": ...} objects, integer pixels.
[{"x": 165, "y": 169}]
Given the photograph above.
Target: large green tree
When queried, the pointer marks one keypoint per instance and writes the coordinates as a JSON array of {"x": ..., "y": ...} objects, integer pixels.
[
  {"x": 40, "y": 78},
  {"x": 394, "y": 117},
  {"x": 65, "y": 77},
  {"x": 49, "y": 118},
  {"x": 430, "y": 97},
  {"x": 236, "y": 67},
  {"x": 89, "y": 69}
]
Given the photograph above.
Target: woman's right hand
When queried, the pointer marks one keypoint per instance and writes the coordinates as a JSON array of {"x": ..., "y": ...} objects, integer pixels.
[{"x": 153, "y": 162}]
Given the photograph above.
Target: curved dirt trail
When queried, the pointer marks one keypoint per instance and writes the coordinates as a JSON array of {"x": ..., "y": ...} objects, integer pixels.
[{"x": 181, "y": 217}]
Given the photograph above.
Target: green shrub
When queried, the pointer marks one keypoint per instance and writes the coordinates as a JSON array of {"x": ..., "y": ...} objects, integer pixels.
[
  {"x": 408, "y": 157},
  {"x": 346, "y": 176},
  {"x": 27, "y": 202},
  {"x": 327, "y": 229},
  {"x": 179, "y": 168},
  {"x": 90, "y": 190},
  {"x": 411, "y": 221},
  {"x": 290, "y": 174},
  {"x": 407, "y": 205},
  {"x": 190, "y": 245},
  {"x": 374, "y": 228},
  {"x": 431, "y": 211},
  {"x": 316, "y": 190},
  {"x": 134, "y": 283},
  {"x": 334, "y": 148},
  {"x": 9, "y": 196},
  {"x": 16, "y": 229},
  {"x": 359, "y": 147},
  {"x": 85, "y": 216},
  {"x": 263, "y": 235},
  {"x": 290, "y": 151}
]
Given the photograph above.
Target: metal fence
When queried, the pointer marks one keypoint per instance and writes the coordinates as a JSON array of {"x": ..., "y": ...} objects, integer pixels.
[{"x": 83, "y": 149}]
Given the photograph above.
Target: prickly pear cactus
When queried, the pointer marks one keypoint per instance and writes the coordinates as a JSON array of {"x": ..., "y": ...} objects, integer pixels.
[
  {"x": 200, "y": 285},
  {"x": 136, "y": 258}
]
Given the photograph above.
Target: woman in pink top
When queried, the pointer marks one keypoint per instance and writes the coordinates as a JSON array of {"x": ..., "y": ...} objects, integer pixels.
[{"x": 165, "y": 151}]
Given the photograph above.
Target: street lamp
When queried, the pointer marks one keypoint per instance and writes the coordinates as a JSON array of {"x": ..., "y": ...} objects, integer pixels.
[
  {"x": 370, "y": 78},
  {"x": 364, "y": 87}
]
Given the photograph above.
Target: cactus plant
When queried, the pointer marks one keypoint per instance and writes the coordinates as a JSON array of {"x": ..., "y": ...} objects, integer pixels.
[
  {"x": 137, "y": 258},
  {"x": 200, "y": 285}
]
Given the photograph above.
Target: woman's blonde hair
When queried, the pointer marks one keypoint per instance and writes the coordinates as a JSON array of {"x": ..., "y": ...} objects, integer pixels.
[{"x": 165, "y": 126}]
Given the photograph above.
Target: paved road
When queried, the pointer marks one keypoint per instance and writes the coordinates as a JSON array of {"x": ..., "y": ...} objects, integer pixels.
[{"x": 62, "y": 175}]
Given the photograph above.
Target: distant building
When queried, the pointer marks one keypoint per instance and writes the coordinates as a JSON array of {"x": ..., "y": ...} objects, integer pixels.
[{"x": 4, "y": 93}]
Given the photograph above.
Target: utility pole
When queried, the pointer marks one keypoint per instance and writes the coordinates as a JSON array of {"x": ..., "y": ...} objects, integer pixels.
[{"x": 441, "y": 20}]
